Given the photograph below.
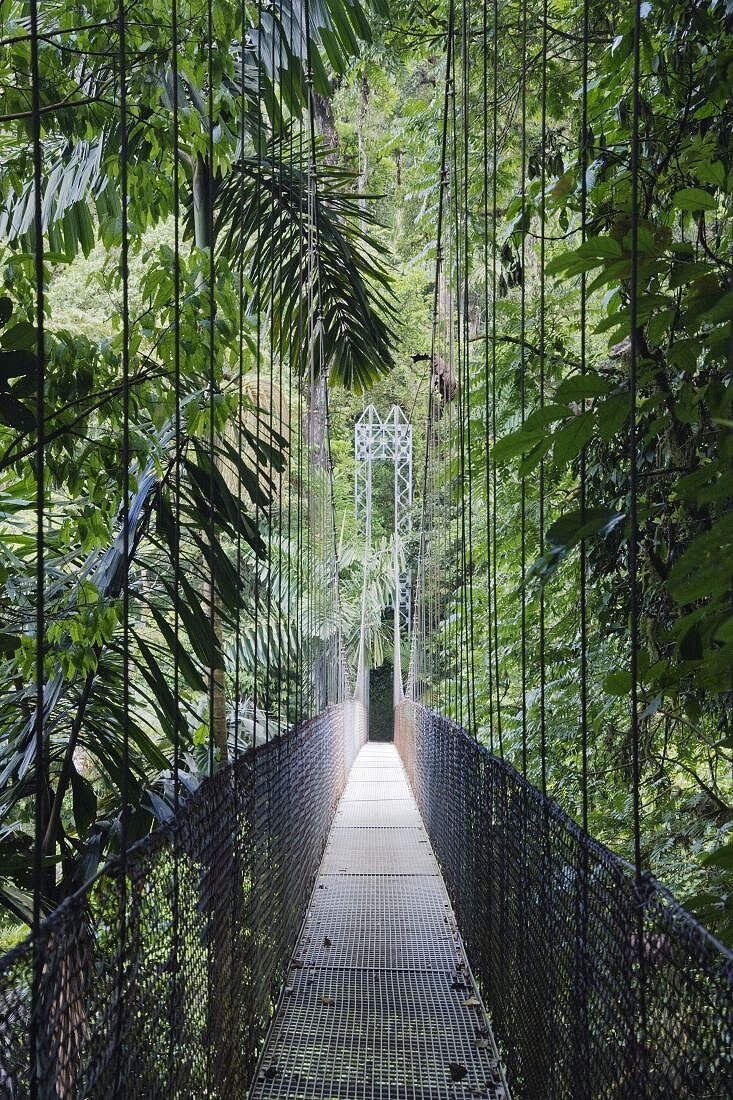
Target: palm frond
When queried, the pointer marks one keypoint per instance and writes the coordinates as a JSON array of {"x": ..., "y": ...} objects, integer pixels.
[{"x": 262, "y": 217}]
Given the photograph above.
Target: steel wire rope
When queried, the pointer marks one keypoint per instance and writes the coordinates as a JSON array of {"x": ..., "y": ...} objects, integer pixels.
[
  {"x": 362, "y": 691},
  {"x": 240, "y": 393},
  {"x": 261, "y": 416},
  {"x": 279, "y": 159},
  {"x": 288, "y": 504},
  {"x": 214, "y": 688},
  {"x": 125, "y": 458},
  {"x": 300, "y": 595},
  {"x": 240, "y": 834},
  {"x": 542, "y": 368},
  {"x": 523, "y": 908},
  {"x": 447, "y": 620},
  {"x": 176, "y": 884},
  {"x": 485, "y": 348},
  {"x": 209, "y": 176},
  {"x": 312, "y": 298},
  {"x": 337, "y": 687},
  {"x": 490, "y": 595},
  {"x": 428, "y": 467},
  {"x": 547, "y": 882},
  {"x": 523, "y": 379},
  {"x": 494, "y": 396},
  {"x": 633, "y": 537},
  {"x": 448, "y": 472},
  {"x": 464, "y": 404},
  {"x": 41, "y": 768},
  {"x": 277, "y": 122},
  {"x": 583, "y": 573},
  {"x": 449, "y": 548},
  {"x": 458, "y": 469},
  {"x": 258, "y": 138},
  {"x": 454, "y": 468}
]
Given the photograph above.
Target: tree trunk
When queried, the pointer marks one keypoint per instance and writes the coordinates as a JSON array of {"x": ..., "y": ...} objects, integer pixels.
[
  {"x": 363, "y": 178},
  {"x": 326, "y": 126}
]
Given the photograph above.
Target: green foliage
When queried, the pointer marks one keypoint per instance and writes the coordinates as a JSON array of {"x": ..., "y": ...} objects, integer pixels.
[
  {"x": 195, "y": 354},
  {"x": 683, "y": 416},
  {"x": 260, "y": 214}
]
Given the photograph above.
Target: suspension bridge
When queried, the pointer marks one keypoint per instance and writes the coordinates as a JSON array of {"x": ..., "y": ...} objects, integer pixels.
[{"x": 230, "y": 890}]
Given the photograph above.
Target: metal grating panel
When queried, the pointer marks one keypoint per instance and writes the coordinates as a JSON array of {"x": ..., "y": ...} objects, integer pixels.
[
  {"x": 375, "y": 791},
  {"x": 379, "y": 775},
  {"x": 381, "y": 921},
  {"x": 396, "y": 813},
  {"x": 376, "y": 851},
  {"x": 379, "y": 1000},
  {"x": 389, "y": 1033}
]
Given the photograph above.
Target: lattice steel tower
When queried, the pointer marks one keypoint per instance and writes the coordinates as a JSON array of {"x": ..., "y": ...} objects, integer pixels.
[{"x": 388, "y": 440}]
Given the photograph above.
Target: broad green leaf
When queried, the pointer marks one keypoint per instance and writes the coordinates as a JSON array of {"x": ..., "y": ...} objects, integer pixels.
[
  {"x": 720, "y": 857},
  {"x": 617, "y": 682},
  {"x": 178, "y": 651},
  {"x": 694, "y": 198},
  {"x": 684, "y": 354},
  {"x": 722, "y": 310},
  {"x": 612, "y": 414},
  {"x": 570, "y": 439},
  {"x": 581, "y": 387},
  {"x": 15, "y": 414},
  {"x": 570, "y": 528},
  {"x": 547, "y": 414},
  {"x": 516, "y": 443},
  {"x": 703, "y": 571},
  {"x": 21, "y": 336},
  {"x": 13, "y": 364}
]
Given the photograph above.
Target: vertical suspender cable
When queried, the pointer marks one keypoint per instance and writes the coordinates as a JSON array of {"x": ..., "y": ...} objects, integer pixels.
[
  {"x": 209, "y": 178},
  {"x": 547, "y": 880},
  {"x": 258, "y": 367},
  {"x": 522, "y": 380},
  {"x": 542, "y": 350},
  {"x": 462, "y": 337},
  {"x": 175, "y": 916},
  {"x": 125, "y": 770},
  {"x": 467, "y": 515},
  {"x": 582, "y": 580},
  {"x": 429, "y": 474},
  {"x": 281, "y": 617},
  {"x": 299, "y": 531},
  {"x": 633, "y": 440},
  {"x": 269, "y": 398},
  {"x": 456, "y": 467},
  {"x": 494, "y": 337},
  {"x": 240, "y": 385},
  {"x": 290, "y": 604},
  {"x": 41, "y": 770},
  {"x": 633, "y": 538},
  {"x": 455, "y": 433},
  {"x": 487, "y": 396},
  {"x": 583, "y": 453},
  {"x": 313, "y": 300}
]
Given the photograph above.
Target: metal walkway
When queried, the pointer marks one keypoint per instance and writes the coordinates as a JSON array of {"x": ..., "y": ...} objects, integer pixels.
[{"x": 380, "y": 1003}]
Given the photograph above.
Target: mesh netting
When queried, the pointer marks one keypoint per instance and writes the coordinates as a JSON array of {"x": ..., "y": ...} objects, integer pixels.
[
  {"x": 161, "y": 981},
  {"x": 550, "y": 919}
]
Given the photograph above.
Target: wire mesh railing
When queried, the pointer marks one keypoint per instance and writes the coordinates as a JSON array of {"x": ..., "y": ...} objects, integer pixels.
[
  {"x": 160, "y": 977},
  {"x": 549, "y": 918}
]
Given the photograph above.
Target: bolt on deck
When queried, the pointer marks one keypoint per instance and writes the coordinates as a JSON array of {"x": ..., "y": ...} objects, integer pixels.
[{"x": 380, "y": 1002}]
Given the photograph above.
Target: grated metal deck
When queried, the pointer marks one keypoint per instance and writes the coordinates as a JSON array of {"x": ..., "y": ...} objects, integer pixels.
[{"x": 380, "y": 1004}]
